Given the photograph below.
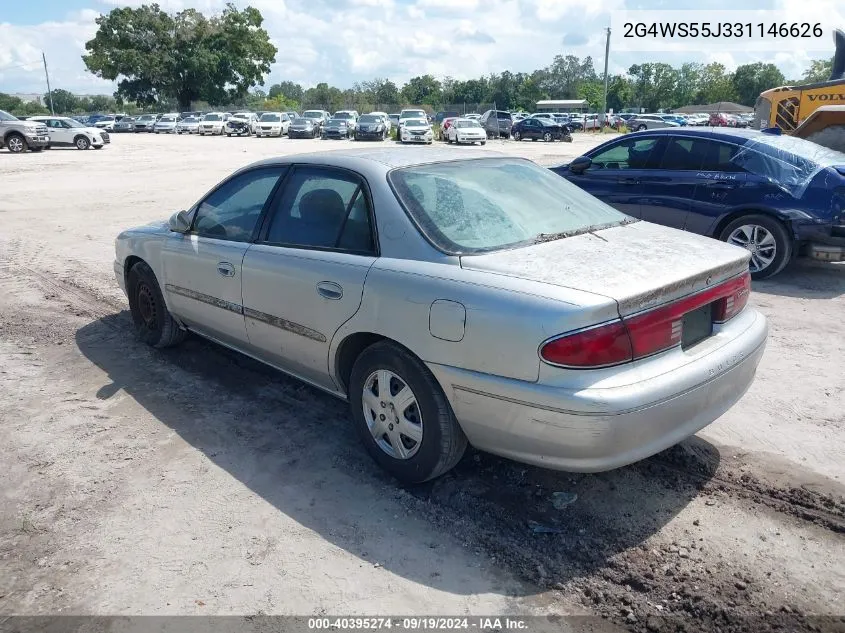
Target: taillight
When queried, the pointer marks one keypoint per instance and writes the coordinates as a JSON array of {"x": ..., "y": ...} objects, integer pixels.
[
  {"x": 646, "y": 333},
  {"x": 600, "y": 346},
  {"x": 734, "y": 300}
]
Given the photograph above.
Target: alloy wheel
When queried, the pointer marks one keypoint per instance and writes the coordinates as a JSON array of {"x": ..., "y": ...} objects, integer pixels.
[
  {"x": 392, "y": 414},
  {"x": 759, "y": 242},
  {"x": 15, "y": 145}
]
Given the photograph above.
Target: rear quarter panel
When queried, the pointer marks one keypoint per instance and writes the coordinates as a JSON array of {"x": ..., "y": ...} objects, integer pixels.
[{"x": 506, "y": 318}]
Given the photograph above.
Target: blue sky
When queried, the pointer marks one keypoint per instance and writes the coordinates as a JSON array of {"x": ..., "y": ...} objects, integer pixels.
[{"x": 344, "y": 41}]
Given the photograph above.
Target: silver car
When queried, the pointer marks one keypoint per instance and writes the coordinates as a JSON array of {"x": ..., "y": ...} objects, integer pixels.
[
  {"x": 649, "y": 122},
  {"x": 454, "y": 297}
]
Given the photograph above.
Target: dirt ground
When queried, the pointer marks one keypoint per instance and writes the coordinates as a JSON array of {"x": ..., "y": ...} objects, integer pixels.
[{"x": 196, "y": 481}]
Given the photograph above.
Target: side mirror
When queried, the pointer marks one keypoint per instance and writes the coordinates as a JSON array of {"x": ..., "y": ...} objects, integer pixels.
[
  {"x": 580, "y": 164},
  {"x": 180, "y": 222}
]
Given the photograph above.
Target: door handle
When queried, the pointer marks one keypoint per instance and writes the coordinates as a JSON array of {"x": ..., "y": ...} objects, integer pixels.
[
  {"x": 628, "y": 181},
  {"x": 329, "y": 290},
  {"x": 225, "y": 269}
]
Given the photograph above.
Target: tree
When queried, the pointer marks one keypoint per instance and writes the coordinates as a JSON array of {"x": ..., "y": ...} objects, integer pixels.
[
  {"x": 654, "y": 85},
  {"x": 565, "y": 75},
  {"x": 422, "y": 90},
  {"x": 10, "y": 103},
  {"x": 593, "y": 93},
  {"x": 64, "y": 102},
  {"x": 819, "y": 70},
  {"x": 689, "y": 77},
  {"x": 715, "y": 85},
  {"x": 749, "y": 80},
  {"x": 186, "y": 56},
  {"x": 289, "y": 90},
  {"x": 620, "y": 93}
]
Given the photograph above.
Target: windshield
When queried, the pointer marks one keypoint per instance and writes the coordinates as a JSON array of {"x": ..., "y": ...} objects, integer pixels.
[
  {"x": 343, "y": 115},
  {"x": 337, "y": 121},
  {"x": 189, "y": 119},
  {"x": 5, "y": 116},
  {"x": 481, "y": 205},
  {"x": 271, "y": 117},
  {"x": 415, "y": 122},
  {"x": 146, "y": 117},
  {"x": 73, "y": 123},
  {"x": 301, "y": 121},
  {"x": 167, "y": 119},
  {"x": 413, "y": 114},
  {"x": 212, "y": 117},
  {"x": 312, "y": 114},
  {"x": 369, "y": 118},
  {"x": 467, "y": 124}
]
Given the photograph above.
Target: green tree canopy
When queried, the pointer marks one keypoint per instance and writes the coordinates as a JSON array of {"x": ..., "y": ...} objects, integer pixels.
[
  {"x": 185, "y": 56},
  {"x": 64, "y": 102},
  {"x": 819, "y": 70},
  {"x": 750, "y": 80}
]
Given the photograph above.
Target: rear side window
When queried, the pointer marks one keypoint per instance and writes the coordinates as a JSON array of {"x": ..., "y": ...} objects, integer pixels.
[
  {"x": 323, "y": 208},
  {"x": 682, "y": 154},
  {"x": 628, "y": 154},
  {"x": 718, "y": 156}
]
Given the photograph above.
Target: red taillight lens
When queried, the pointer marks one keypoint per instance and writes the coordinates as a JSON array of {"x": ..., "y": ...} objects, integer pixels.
[
  {"x": 646, "y": 333},
  {"x": 734, "y": 299},
  {"x": 597, "y": 347}
]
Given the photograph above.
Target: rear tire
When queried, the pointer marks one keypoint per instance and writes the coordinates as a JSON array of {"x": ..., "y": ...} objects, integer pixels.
[
  {"x": 154, "y": 325},
  {"x": 760, "y": 227},
  {"x": 442, "y": 442},
  {"x": 517, "y": 136},
  {"x": 547, "y": 137}
]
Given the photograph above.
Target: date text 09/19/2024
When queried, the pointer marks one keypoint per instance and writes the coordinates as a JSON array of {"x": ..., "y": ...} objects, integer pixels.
[{"x": 419, "y": 623}]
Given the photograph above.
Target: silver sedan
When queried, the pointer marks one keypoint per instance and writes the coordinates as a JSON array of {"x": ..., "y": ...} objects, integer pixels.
[
  {"x": 456, "y": 297},
  {"x": 649, "y": 122}
]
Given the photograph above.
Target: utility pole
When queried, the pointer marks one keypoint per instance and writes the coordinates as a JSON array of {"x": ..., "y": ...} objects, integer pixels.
[
  {"x": 606, "y": 56},
  {"x": 49, "y": 92}
]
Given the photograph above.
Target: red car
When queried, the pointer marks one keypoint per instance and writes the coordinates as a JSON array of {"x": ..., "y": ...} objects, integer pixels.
[
  {"x": 444, "y": 125},
  {"x": 719, "y": 119}
]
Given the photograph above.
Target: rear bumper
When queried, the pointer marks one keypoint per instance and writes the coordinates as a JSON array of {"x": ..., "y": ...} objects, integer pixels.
[{"x": 596, "y": 429}]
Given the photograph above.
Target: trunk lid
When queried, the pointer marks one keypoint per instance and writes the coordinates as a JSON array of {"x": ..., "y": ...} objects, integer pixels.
[{"x": 639, "y": 265}]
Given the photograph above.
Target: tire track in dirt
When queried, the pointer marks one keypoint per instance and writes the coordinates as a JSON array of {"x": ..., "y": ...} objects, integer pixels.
[{"x": 609, "y": 565}]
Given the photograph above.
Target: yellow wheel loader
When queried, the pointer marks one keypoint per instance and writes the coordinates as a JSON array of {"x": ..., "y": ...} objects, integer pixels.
[{"x": 815, "y": 112}]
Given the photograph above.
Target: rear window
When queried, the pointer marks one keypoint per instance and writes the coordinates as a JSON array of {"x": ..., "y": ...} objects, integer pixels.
[
  {"x": 504, "y": 115},
  {"x": 474, "y": 206}
]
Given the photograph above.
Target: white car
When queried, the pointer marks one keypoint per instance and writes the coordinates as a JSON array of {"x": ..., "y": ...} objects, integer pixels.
[
  {"x": 188, "y": 125},
  {"x": 413, "y": 114},
  {"x": 387, "y": 122},
  {"x": 213, "y": 123},
  {"x": 466, "y": 131},
  {"x": 67, "y": 132},
  {"x": 106, "y": 123},
  {"x": 272, "y": 124},
  {"x": 415, "y": 131},
  {"x": 240, "y": 123},
  {"x": 166, "y": 124}
]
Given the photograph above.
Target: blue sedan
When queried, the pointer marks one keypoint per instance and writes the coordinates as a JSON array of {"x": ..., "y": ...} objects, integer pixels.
[{"x": 776, "y": 196}]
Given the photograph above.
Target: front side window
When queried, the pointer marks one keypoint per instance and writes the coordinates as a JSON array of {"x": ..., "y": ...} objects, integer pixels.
[
  {"x": 232, "y": 210},
  {"x": 323, "y": 208},
  {"x": 628, "y": 154},
  {"x": 482, "y": 205}
]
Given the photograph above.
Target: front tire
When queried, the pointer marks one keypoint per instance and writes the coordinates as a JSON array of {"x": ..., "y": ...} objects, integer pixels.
[
  {"x": 640, "y": 128},
  {"x": 402, "y": 414},
  {"x": 81, "y": 142},
  {"x": 766, "y": 238},
  {"x": 154, "y": 325},
  {"x": 16, "y": 143}
]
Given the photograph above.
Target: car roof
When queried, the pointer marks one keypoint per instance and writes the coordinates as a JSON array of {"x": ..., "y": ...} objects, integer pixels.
[
  {"x": 389, "y": 158},
  {"x": 730, "y": 134}
]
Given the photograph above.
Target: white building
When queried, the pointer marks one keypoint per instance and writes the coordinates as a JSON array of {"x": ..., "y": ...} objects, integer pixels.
[{"x": 563, "y": 105}]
